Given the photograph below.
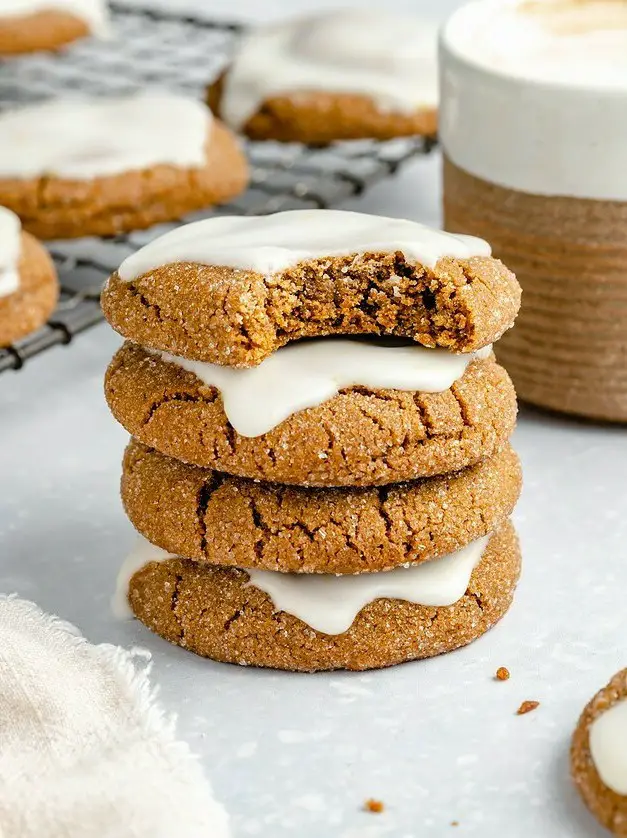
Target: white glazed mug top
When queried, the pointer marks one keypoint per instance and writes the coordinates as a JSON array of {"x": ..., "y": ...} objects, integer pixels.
[{"x": 534, "y": 95}]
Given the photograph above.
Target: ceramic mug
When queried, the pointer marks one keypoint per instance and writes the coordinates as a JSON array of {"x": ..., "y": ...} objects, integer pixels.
[{"x": 533, "y": 128}]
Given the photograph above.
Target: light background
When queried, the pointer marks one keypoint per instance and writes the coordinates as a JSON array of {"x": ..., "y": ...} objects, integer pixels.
[{"x": 295, "y": 755}]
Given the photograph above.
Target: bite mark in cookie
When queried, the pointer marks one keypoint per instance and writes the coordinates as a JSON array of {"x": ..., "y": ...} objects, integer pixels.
[{"x": 234, "y": 290}]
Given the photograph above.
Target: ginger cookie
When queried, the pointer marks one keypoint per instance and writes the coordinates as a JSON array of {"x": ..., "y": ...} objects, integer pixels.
[
  {"x": 81, "y": 167},
  {"x": 598, "y": 756},
  {"x": 360, "y": 437},
  {"x": 361, "y": 622},
  {"x": 338, "y": 75},
  {"x": 28, "y": 281},
  {"x": 233, "y": 290},
  {"x": 33, "y": 25},
  {"x": 213, "y": 518}
]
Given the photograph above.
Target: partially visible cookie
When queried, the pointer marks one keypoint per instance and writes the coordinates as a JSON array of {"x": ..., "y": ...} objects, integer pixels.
[
  {"x": 337, "y": 75},
  {"x": 217, "y": 613},
  {"x": 100, "y": 167},
  {"x": 33, "y": 25},
  {"x": 360, "y": 437},
  {"x": 598, "y": 755},
  {"x": 233, "y": 290},
  {"x": 221, "y": 520},
  {"x": 28, "y": 281}
]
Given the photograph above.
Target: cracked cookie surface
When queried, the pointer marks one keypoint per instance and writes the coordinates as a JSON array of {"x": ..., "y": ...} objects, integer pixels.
[
  {"x": 360, "y": 437},
  {"x": 214, "y": 612},
  {"x": 52, "y": 207},
  {"x": 28, "y": 308},
  {"x": 239, "y": 318},
  {"x": 213, "y": 518},
  {"x": 605, "y": 804},
  {"x": 320, "y": 118}
]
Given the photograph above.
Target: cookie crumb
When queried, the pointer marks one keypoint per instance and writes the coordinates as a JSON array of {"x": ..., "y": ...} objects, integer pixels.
[
  {"x": 454, "y": 823},
  {"x": 502, "y": 673},
  {"x": 527, "y": 707},
  {"x": 372, "y": 805}
]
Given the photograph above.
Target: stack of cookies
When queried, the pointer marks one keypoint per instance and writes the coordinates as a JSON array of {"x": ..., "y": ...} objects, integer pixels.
[{"x": 320, "y": 469}]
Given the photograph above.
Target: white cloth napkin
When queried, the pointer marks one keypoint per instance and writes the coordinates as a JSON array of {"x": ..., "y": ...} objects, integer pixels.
[{"x": 85, "y": 752}]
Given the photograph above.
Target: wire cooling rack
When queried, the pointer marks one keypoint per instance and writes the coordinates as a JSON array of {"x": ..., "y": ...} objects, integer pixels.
[{"x": 155, "y": 48}]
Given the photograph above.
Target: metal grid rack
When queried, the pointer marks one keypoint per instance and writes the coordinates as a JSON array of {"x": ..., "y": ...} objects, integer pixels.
[{"x": 177, "y": 53}]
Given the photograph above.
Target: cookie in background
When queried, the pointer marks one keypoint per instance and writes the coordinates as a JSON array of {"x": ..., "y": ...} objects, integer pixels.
[
  {"x": 35, "y": 25},
  {"x": 340, "y": 75},
  {"x": 102, "y": 166},
  {"x": 28, "y": 281}
]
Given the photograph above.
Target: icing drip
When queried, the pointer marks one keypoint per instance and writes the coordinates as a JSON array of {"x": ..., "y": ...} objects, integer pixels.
[
  {"x": 85, "y": 138},
  {"x": 142, "y": 553},
  {"x": 10, "y": 248},
  {"x": 330, "y": 603},
  {"x": 271, "y": 243},
  {"x": 93, "y": 12},
  {"x": 608, "y": 747},
  {"x": 390, "y": 59},
  {"x": 307, "y": 373}
]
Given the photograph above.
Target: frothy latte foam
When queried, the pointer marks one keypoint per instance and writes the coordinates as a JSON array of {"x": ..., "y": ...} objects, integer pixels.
[{"x": 572, "y": 42}]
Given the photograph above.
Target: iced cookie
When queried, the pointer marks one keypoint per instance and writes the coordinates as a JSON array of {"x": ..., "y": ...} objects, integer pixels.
[
  {"x": 599, "y": 755},
  {"x": 232, "y": 290},
  {"x": 28, "y": 281},
  {"x": 337, "y": 75},
  {"x": 314, "y": 622},
  {"x": 33, "y": 25},
  {"x": 211, "y": 517},
  {"x": 80, "y": 167},
  {"x": 365, "y": 435}
]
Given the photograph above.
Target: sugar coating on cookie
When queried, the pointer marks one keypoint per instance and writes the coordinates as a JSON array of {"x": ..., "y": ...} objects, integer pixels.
[
  {"x": 220, "y": 613},
  {"x": 214, "y": 518},
  {"x": 10, "y": 249},
  {"x": 269, "y": 244},
  {"x": 31, "y": 284},
  {"x": 359, "y": 437},
  {"x": 93, "y": 12},
  {"x": 82, "y": 139},
  {"x": 329, "y": 603},
  {"x": 391, "y": 60},
  {"x": 232, "y": 290},
  {"x": 306, "y": 374},
  {"x": 599, "y": 755}
]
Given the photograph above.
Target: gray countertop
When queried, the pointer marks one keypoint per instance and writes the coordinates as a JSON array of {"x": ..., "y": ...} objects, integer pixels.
[{"x": 437, "y": 741}]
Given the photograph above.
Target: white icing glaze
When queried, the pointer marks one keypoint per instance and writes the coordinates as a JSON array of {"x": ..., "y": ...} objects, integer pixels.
[
  {"x": 86, "y": 138},
  {"x": 142, "y": 553},
  {"x": 307, "y": 373},
  {"x": 271, "y": 243},
  {"x": 10, "y": 248},
  {"x": 93, "y": 12},
  {"x": 608, "y": 747},
  {"x": 330, "y": 603},
  {"x": 555, "y": 65},
  {"x": 391, "y": 59}
]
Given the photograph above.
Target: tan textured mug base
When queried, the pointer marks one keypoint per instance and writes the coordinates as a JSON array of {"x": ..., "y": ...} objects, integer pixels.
[{"x": 568, "y": 351}]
